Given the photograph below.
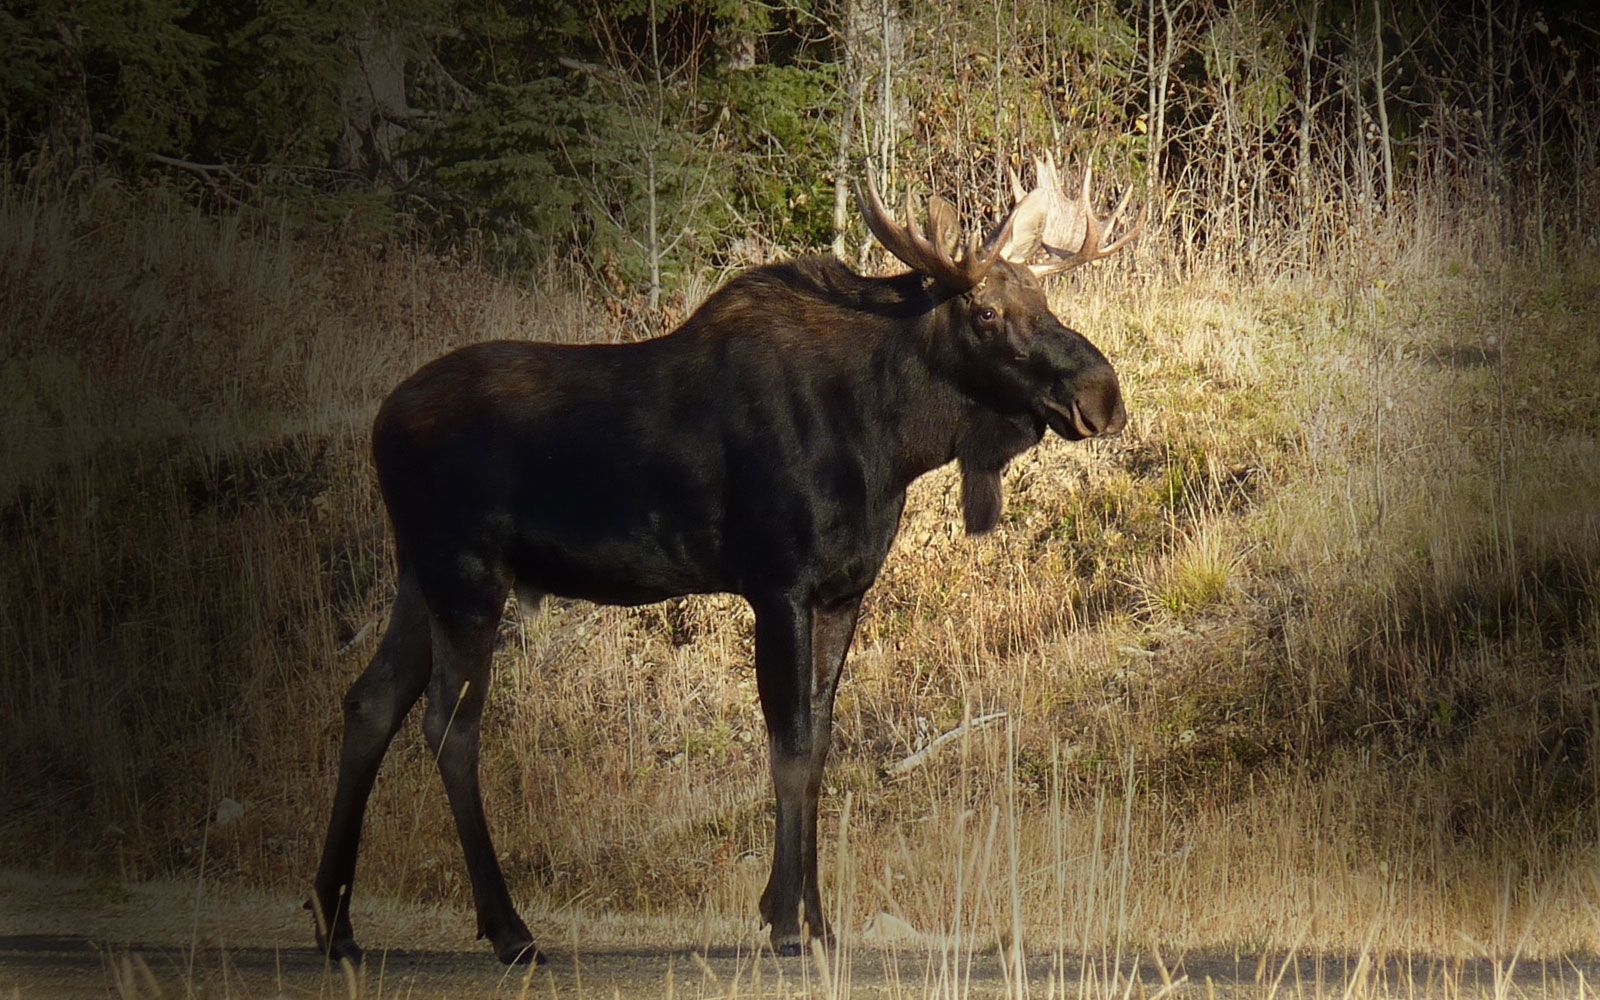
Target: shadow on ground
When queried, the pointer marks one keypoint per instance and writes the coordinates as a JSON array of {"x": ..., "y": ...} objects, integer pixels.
[{"x": 58, "y": 966}]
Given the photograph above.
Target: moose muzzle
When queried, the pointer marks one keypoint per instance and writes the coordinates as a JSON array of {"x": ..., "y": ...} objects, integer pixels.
[{"x": 1093, "y": 407}]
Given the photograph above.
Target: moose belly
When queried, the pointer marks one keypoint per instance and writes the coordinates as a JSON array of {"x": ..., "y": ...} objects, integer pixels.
[{"x": 631, "y": 567}]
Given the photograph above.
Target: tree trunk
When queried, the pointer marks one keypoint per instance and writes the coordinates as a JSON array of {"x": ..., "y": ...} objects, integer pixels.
[
  {"x": 66, "y": 153},
  {"x": 373, "y": 105},
  {"x": 1383, "y": 105},
  {"x": 853, "y": 82},
  {"x": 736, "y": 42},
  {"x": 1308, "y": 51}
]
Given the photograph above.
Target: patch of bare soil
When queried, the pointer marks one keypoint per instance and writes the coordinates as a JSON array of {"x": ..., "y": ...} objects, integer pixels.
[{"x": 73, "y": 938}]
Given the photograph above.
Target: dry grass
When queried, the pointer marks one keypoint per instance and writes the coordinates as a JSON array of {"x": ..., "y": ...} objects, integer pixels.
[{"x": 1305, "y": 658}]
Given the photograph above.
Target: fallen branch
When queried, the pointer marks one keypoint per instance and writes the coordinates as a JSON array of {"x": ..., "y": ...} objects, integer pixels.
[
  {"x": 919, "y": 758},
  {"x": 233, "y": 171},
  {"x": 206, "y": 172}
]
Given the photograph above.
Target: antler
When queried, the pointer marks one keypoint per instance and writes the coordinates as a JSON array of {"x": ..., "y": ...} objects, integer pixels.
[
  {"x": 933, "y": 258},
  {"x": 1075, "y": 222}
]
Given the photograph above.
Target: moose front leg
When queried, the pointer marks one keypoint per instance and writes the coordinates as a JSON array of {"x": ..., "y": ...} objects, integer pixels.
[{"x": 800, "y": 651}]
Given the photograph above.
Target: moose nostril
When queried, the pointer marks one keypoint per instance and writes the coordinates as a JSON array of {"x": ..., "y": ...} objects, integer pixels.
[
  {"x": 1100, "y": 403},
  {"x": 1119, "y": 420}
]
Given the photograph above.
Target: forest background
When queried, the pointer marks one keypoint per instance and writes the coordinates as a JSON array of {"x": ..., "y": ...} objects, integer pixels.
[{"x": 1307, "y": 654}]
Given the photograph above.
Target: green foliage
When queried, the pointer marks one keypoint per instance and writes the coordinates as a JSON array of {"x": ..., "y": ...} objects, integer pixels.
[
  {"x": 158, "y": 68},
  {"x": 785, "y": 139},
  {"x": 28, "y": 57},
  {"x": 654, "y": 132},
  {"x": 650, "y": 169},
  {"x": 502, "y": 169},
  {"x": 508, "y": 42},
  {"x": 1043, "y": 78},
  {"x": 143, "y": 69},
  {"x": 280, "y": 67},
  {"x": 1245, "y": 51},
  {"x": 624, "y": 155},
  {"x": 1094, "y": 55}
]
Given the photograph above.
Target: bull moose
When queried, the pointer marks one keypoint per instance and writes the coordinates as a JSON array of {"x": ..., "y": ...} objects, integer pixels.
[{"x": 763, "y": 449}]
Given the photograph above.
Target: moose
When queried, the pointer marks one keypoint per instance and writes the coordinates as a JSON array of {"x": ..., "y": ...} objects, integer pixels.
[{"x": 763, "y": 448}]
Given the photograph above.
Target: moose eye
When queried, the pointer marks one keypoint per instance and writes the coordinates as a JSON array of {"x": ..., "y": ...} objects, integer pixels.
[{"x": 986, "y": 315}]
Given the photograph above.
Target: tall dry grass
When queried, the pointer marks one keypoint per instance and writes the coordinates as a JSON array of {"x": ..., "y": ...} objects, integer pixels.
[{"x": 1306, "y": 656}]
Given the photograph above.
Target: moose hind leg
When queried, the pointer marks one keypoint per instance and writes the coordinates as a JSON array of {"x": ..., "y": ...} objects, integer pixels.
[
  {"x": 462, "y": 650},
  {"x": 374, "y": 707}
]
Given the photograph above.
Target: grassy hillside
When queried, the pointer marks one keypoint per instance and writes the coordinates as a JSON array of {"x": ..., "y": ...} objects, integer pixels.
[{"x": 1306, "y": 654}]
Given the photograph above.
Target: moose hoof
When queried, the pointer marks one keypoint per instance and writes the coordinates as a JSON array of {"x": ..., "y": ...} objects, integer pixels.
[
  {"x": 788, "y": 944},
  {"x": 343, "y": 950},
  {"x": 520, "y": 953}
]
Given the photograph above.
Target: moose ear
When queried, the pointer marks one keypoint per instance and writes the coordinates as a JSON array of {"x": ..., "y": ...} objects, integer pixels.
[
  {"x": 981, "y": 498},
  {"x": 1027, "y": 226}
]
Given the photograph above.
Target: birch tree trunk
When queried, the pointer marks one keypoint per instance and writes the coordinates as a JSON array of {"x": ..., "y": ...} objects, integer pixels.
[{"x": 1386, "y": 145}]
